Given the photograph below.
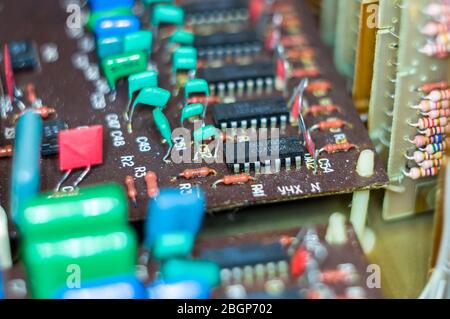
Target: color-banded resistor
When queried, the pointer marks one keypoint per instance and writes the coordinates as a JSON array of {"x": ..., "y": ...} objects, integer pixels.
[
  {"x": 6, "y": 151},
  {"x": 335, "y": 148},
  {"x": 197, "y": 172},
  {"x": 422, "y": 140},
  {"x": 437, "y": 113},
  {"x": 204, "y": 99},
  {"x": 309, "y": 72},
  {"x": 420, "y": 156},
  {"x": 299, "y": 54},
  {"x": 435, "y": 50},
  {"x": 436, "y": 130},
  {"x": 329, "y": 124},
  {"x": 151, "y": 180},
  {"x": 427, "y": 88},
  {"x": 427, "y": 105},
  {"x": 425, "y": 123},
  {"x": 131, "y": 189},
  {"x": 321, "y": 86},
  {"x": 438, "y": 95},
  {"x": 321, "y": 109},
  {"x": 431, "y": 163},
  {"x": 436, "y": 147},
  {"x": 433, "y": 28},
  {"x": 234, "y": 179},
  {"x": 416, "y": 172}
]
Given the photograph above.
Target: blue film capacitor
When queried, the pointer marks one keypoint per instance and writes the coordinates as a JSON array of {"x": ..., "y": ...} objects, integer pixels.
[
  {"x": 116, "y": 26},
  {"x": 103, "y": 5},
  {"x": 25, "y": 177},
  {"x": 119, "y": 287},
  {"x": 173, "y": 212},
  {"x": 178, "y": 290}
]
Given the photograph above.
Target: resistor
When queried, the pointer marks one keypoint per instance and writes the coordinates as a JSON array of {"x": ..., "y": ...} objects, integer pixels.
[
  {"x": 309, "y": 72},
  {"x": 293, "y": 41},
  {"x": 425, "y": 123},
  {"x": 427, "y": 88},
  {"x": 433, "y": 28},
  {"x": 319, "y": 86},
  {"x": 30, "y": 92},
  {"x": 305, "y": 53},
  {"x": 330, "y": 124},
  {"x": 131, "y": 189},
  {"x": 198, "y": 172},
  {"x": 202, "y": 100},
  {"x": 438, "y": 95},
  {"x": 321, "y": 109},
  {"x": 431, "y": 163},
  {"x": 334, "y": 148},
  {"x": 427, "y": 105},
  {"x": 435, "y": 50},
  {"x": 416, "y": 172},
  {"x": 422, "y": 140},
  {"x": 436, "y": 130},
  {"x": 436, "y": 147},
  {"x": 437, "y": 113},
  {"x": 6, "y": 151},
  {"x": 334, "y": 276},
  {"x": 151, "y": 180},
  {"x": 420, "y": 156},
  {"x": 234, "y": 179}
]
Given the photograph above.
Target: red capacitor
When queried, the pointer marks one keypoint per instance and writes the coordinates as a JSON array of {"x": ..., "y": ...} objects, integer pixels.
[
  {"x": 80, "y": 147},
  {"x": 299, "y": 262}
]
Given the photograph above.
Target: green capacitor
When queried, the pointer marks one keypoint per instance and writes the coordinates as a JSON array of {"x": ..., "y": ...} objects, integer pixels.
[
  {"x": 196, "y": 86},
  {"x": 205, "y": 133},
  {"x": 184, "y": 58},
  {"x": 185, "y": 52},
  {"x": 168, "y": 14},
  {"x": 90, "y": 208},
  {"x": 95, "y": 16},
  {"x": 190, "y": 111},
  {"x": 182, "y": 270},
  {"x": 122, "y": 65},
  {"x": 182, "y": 37},
  {"x": 163, "y": 125},
  {"x": 141, "y": 80},
  {"x": 138, "y": 41},
  {"x": 170, "y": 245},
  {"x": 53, "y": 264},
  {"x": 153, "y": 96}
]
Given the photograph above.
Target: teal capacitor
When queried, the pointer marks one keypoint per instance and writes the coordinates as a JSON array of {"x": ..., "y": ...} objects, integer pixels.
[
  {"x": 191, "y": 110},
  {"x": 175, "y": 270},
  {"x": 182, "y": 37},
  {"x": 153, "y": 96},
  {"x": 139, "y": 81},
  {"x": 138, "y": 41},
  {"x": 25, "y": 177},
  {"x": 174, "y": 244},
  {"x": 109, "y": 46},
  {"x": 206, "y": 133},
  {"x": 196, "y": 86},
  {"x": 184, "y": 58},
  {"x": 86, "y": 209},
  {"x": 163, "y": 125},
  {"x": 168, "y": 14}
]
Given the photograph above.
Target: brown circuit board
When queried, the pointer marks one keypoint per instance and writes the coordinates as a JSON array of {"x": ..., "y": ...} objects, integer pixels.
[
  {"x": 63, "y": 86},
  {"x": 343, "y": 270}
]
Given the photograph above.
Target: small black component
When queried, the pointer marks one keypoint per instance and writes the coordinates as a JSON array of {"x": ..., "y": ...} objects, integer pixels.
[
  {"x": 236, "y": 72},
  {"x": 24, "y": 55},
  {"x": 244, "y": 112},
  {"x": 51, "y": 130},
  {"x": 228, "y": 42},
  {"x": 245, "y": 255},
  {"x": 252, "y": 154},
  {"x": 214, "y": 6}
]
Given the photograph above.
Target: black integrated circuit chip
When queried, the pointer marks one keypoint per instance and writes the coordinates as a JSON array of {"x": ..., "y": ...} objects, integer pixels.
[
  {"x": 214, "y": 6},
  {"x": 223, "y": 43},
  {"x": 236, "y": 72},
  {"x": 271, "y": 153},
  {"x": 245, "y": 255},
  {"x": 253, "y": 113}
]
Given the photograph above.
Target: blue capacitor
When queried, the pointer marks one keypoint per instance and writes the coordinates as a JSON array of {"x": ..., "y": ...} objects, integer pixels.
[
  {"x": 116, "y": 26},
  {"x": 104, "y": 5},
  {"x": 172, "y": 211},
  {"x": 25, "y": 177},
  {"x": 109, "y": 46},
  {"x": 119, "y": 287},
  {"x": 178, "y": 290}
]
